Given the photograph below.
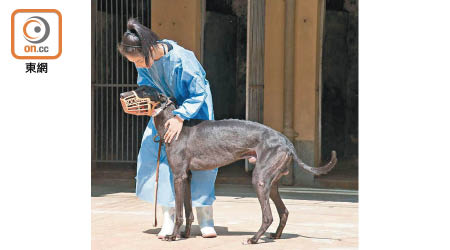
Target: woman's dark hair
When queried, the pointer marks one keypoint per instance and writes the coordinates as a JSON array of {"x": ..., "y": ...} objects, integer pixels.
[{"x": 138, "y": 40}]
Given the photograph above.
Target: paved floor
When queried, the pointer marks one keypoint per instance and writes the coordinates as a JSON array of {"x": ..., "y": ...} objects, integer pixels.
[{"x": 318, "y": 219}]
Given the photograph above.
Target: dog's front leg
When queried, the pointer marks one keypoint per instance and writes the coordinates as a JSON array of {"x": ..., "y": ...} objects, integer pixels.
[
  {"x": 179, "y": 184},
  {"x": 188, "y": 207}
]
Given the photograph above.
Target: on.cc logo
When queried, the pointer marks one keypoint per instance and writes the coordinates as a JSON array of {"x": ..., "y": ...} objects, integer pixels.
[
  {"x": 40, "y": 28},
  {"x": 36, "y": 34}
]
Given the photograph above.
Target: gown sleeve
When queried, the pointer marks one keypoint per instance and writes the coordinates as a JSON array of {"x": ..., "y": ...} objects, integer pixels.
[{"x": 194, "y": 84}]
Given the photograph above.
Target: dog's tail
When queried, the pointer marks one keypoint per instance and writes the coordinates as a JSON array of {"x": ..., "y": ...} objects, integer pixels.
[{"x": 318, "y": 170}]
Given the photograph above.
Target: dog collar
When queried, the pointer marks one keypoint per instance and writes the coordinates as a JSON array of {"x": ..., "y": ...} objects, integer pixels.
[{"x": 162, "y": 107}]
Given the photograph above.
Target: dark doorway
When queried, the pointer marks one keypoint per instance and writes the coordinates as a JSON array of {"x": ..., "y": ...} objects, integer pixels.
[
  {"x": 225, "y": 55},
  {"x": 340, "y": 92}
]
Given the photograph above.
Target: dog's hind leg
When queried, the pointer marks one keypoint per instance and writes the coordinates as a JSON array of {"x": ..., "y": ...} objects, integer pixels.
[
  {"x": 262, "y": 188},
  {"x": 281, "y": 209},
  {"x": 265, "y": 181},
  {"x": 275, "y": 196},
  {"x": 188, "y": 208}
]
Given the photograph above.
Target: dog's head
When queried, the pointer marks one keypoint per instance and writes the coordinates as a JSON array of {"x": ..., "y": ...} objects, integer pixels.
[
  {"x": 145, "y": 91},
  {"x": 144, "y": 100}
]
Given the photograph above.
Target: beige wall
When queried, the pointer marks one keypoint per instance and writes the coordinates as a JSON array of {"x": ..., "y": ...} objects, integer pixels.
[
  {"x": 179, "y": 20},
  {"x": 274, "y": 64},
  {"x": 306, "y": 68}
]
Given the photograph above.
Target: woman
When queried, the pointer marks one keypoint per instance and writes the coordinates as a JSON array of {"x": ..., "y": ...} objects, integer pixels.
[{"x": 175, "y": 72}]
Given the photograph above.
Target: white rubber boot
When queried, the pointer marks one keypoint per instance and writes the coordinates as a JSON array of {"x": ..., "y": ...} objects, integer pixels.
[
  {"x": 206, "y": 221},
  {"x": 168, "y": 222}
]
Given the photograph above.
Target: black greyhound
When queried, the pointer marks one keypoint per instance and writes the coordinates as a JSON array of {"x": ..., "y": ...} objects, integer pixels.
[{"x": 204, "y": 145}]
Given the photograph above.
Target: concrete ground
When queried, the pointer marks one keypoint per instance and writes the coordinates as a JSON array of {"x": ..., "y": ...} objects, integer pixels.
[{"x": 318, "y": 219}]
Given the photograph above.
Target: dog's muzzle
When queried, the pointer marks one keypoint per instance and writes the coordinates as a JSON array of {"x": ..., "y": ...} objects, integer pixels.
[{"x": 134, "y": 105}]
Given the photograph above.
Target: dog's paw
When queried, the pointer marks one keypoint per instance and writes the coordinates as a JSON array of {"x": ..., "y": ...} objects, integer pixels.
[
  {"x": 274, "y": 236},
  {"x": 249, "y": 241},
  {"x": 170, "y": 238},
  {"x": 185, "y": 234}
]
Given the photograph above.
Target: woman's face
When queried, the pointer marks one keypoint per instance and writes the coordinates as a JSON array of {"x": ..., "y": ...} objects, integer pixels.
[{"x": 139, "y": 61}]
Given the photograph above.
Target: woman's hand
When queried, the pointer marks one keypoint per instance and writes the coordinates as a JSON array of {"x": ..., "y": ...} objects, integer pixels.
[{"x": 175, "y": 125}]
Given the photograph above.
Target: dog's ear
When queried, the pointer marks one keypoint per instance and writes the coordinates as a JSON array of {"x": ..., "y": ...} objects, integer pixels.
[
  {"x": 173, "y": 100},
  {"x": 162, "y": 98}
]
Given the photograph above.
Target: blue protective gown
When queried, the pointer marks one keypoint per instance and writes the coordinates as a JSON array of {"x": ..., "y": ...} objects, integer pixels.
[{"x": 177, "y": 74}]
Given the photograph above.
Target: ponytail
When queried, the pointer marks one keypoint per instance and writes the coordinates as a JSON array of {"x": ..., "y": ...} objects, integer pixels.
[{"x": 138, "y": 39}]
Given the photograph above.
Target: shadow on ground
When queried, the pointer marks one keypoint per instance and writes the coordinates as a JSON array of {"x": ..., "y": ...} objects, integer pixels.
[
  {"x": 223, "y": 231},
  {"x": 101, "y": 187},
  {"x": 287, "y": 192}
]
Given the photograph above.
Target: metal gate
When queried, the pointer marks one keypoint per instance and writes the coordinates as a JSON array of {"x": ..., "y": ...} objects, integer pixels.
[{"x": 116, "y": 136}]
